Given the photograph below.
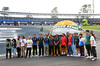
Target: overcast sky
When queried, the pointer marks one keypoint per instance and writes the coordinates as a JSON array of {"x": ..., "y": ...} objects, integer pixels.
[{"x": 45, "y": 6}]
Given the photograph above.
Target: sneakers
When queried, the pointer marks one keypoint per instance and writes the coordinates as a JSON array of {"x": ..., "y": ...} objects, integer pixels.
[
  {"x": 79, "y": 54},
  {"x": 88, "y": 57},
  {"x": 94, "y": 59},
  {"x": 62, "y": 53},
  {"x": 92, "y": 56},
  {"x": 71, "y": 55},
  {"x": 54, "y": 55},
  {"x": 58, "y": 54},
  {"x": 68, "y": 55},
  {"x": 82, "y": 56}
]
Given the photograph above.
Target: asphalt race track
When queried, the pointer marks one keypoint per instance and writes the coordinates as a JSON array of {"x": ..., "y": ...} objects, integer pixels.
[
  {"x": 51, "y": 60},
  {"x": 14, "y": 31}
]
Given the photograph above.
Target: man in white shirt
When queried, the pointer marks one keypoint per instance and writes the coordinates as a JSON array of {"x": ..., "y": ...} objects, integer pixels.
[
  {"x": 22, "y": 45},
  {"x": 29, "y": 44}
]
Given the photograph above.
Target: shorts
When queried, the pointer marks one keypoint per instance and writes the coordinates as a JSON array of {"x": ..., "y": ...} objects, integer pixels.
[
  {"x": 62, "y": 46},
  {"x": 77, "y": 46},
  {"x": 23, "y": 49}
]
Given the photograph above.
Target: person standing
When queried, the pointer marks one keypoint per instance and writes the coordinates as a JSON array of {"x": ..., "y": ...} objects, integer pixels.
[
  {"x": 8, "y": 48},
  {"x": 93, "y": 45},
  {"x": 63, "y": 43},
  {"x": 41, "y": 44},
  {"x": 34, "y": 39},
  {"x": 73, "y": 45},
  {"x": 18, "y": 46},
  {"x": 46, "y": 45},
  {"x": 77, "y": 43},
  {"x": 70, "y": 52},
  {"x": 67, "y": 35},
  {"x": 87, "y": 42},
  {"x": 14, "y": 47},
  {"x": 56, "y": 43},
  {"x": 29, "y": 44},
  {"x": 23, "y": 42},
  {"x": 51, "y": 45},
  {"x": 81, "y": 45}
]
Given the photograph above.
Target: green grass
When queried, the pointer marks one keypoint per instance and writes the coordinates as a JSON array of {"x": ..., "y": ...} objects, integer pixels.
[{"x": 91, "y": 27}]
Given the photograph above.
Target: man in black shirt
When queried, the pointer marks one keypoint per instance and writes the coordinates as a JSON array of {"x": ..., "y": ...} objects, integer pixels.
[
  {"x": 67, "y": 35},
  {"x": 40, "y": 43},
  {"x": 56, "y": 43},
  {"x": 76, "y": 39},
  {"x": 51, "y": 44}
]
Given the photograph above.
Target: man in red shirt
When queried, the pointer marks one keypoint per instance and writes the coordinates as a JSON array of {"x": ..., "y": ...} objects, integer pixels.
[
  {"x": 63, "y": 43},
  {"x": 69, "y": 45}
]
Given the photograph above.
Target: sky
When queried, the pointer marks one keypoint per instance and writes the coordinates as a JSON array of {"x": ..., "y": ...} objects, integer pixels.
[{"x": 45, "y": 6}]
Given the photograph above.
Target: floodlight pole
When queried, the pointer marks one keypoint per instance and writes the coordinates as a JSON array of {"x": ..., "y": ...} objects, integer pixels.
[{"x": 93, "y": 6}]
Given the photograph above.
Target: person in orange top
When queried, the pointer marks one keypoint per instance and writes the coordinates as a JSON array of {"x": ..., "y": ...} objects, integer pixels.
[
  {"x": 63, "y": 43},
  {"x": 70, "y": 52}
]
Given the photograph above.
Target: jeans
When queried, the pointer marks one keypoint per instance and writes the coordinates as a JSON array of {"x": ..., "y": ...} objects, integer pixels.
[
  {"x": 8, "y": 50},
  {"x": 34, "y": 48},
  {"x": 14, "y": 51},
  {"x": 46, "y": 50},
  {"x": 74, "y": 49},
  {"x": 70, "y": 50},
  {"x": 94, "y": 51}
]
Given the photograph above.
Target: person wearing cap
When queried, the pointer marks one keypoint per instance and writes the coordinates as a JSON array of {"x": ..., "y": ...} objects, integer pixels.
[
  {"x": 56, "y": 43},
  {"x": 63, "y": 43},
  {"x": 41, "y": 45},
  {"x": 70, "y": 52},
  {"x": 29, "y": 44}
]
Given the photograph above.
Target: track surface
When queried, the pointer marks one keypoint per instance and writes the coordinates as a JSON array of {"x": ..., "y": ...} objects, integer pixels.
[{"x": 53, "y": 61}]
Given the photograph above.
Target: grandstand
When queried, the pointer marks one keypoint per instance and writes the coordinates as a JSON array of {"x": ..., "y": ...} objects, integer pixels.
[{"x": 7, "y": 20}]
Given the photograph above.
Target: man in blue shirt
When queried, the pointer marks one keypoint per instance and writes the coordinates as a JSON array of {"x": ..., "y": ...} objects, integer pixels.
[
  {"x": 34, "y": 39},
  {"x": 73, "y": 45},
  {"x": 46, "y": 45}
]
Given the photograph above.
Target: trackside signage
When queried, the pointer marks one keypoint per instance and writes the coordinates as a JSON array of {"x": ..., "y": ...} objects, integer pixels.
[{"x": 68, "y": 26}]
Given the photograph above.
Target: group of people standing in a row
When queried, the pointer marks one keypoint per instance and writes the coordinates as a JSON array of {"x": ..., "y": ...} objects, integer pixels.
[{"x": 72, "y": 43}]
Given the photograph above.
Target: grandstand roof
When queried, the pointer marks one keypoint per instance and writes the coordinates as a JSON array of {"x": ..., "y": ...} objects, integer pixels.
[{"x": 45, "y": 14}]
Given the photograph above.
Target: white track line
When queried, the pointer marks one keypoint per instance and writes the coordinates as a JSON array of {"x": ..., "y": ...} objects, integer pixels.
[{"x": 10, "y": 28}]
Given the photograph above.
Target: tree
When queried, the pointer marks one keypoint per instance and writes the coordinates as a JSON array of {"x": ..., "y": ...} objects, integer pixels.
[
  {"x": 5, "y": 9},
  {"x": 86, "y": 8},
  {"x": 28, "y": 16},
  {"x": 54, "y": 11}
]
